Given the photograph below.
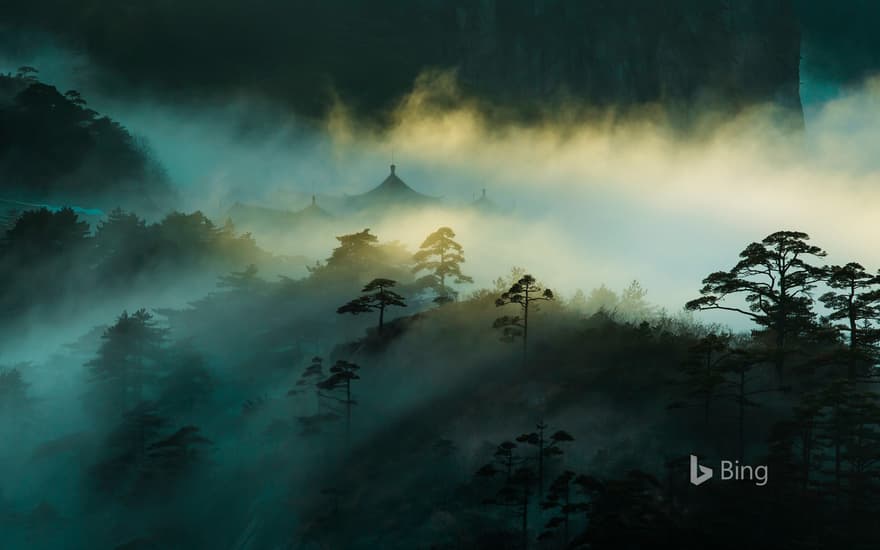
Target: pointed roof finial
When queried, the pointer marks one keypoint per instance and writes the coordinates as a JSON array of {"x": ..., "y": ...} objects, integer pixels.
[
  {"x": 313, "y": 200},
  {"x": 392, "y": 168}
]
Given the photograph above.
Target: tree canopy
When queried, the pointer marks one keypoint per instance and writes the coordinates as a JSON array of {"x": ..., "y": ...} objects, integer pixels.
[
  {"x": 442, "y": 256},
  {"x": 774, "y": 278},
  {"x": 379, "y": 297}
]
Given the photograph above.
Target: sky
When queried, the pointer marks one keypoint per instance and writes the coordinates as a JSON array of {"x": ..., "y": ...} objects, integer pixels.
[{"x": 590, "y": 203}]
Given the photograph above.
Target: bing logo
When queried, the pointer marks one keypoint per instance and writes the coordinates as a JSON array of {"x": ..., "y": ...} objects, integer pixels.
[
  {"x": 729, "y": 470},
  {"x": 699, "y": 474}
]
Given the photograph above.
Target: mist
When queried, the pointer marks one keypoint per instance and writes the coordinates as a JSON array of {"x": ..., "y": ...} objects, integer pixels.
[
  {"x": 619, "y": 200},
  {"x": 583, "y": 198}
]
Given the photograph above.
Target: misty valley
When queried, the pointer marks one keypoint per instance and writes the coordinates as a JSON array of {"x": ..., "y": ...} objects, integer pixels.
[{"x": 439, "y": 275}]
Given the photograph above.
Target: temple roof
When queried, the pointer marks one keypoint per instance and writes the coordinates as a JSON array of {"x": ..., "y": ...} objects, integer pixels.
[
  {"x": 313, "y": 211},
  {"x": 392, "y": 190}
]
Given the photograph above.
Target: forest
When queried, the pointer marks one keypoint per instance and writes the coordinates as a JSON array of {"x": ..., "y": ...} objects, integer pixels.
[
  {"x": 439, "y": 275},
  {"x": 372, "y": 403}
]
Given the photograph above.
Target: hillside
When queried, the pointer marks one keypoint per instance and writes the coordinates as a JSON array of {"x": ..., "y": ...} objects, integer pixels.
[{"x": 54, "y": 148}]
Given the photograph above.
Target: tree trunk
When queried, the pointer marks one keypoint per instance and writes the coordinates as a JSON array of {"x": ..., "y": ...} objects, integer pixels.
[
  {"x": 348, "y": 414},
  {"x": 525, "y": 518},
  {"x": 837, "y": 451},
  {"x": 526, "y": 329},
  {"x": 708, "y": 393},
  {"x": 565, "y": 514},
  {"x": 781, "y": 328},
  {"x": 541, "y": 460},
  {"x": 806, "y": 454},
  {"x": 381, "y": 317},
  {"x": 853, "y": 339},
  {"x": 742, "y": 413},
  {"x": 443, "y": 275},
  {"x": 779, "y": 359}
]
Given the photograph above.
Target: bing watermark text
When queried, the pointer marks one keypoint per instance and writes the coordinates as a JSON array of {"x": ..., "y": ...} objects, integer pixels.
[{"x": 729, "y": 470}]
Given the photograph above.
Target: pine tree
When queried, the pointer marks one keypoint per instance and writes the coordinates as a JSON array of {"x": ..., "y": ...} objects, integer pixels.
[
  {"x": 564, "y": 499},
  {"x": 545, "y": 447},
  {"x": 578, "y": 302},
  {"x": 703, "y": 373},
  {"x": 505, "y": 456},
  {"x": 442, "y": 256},
  {"x": 601, "y": 299},
  {"x": 119, "y": 472},
  {"x": 123, "y": 245},
  {"x": 855, "y": 306},
  {"x": 310, "y": 381},
  {"x": 518, "y": 486},
  {"x": 173, "y": 458},
  {"x": 129, "y": 358},
  {"x": 338, "y": 388},
  {"x": 41, "y": 234},
  {"x": 775, "y": 279},
  {"x": 246, "y": 280},
  {"x": 356, "y": 255},
  {"x": 380, "y": 299},
  {"x": 739, "y": 388},
  {"x": 795, "y": 450},
  {"x": 186, "y": 382},
  {"x": 632, "y": 305},
  {"x": 848, "y": 430},
  {"x": 525, "y": 293}
]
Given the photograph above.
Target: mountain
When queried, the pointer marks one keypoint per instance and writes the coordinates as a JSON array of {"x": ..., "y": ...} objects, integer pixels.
[
  {"x": 55, "y": 149},
  {"x": 265, "y": 220},
  {"x": 519, "y": 57},
  {"x": 681, "y": 54}
]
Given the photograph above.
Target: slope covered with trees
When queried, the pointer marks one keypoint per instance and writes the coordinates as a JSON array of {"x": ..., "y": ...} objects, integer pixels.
[
  {"x": 54, "y": 148},
  {"x": 259, "y": 415},
  {"x": 54, "y": 264}
]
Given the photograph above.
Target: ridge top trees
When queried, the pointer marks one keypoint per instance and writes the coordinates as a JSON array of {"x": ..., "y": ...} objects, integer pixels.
[
  {"x": 776, "y": 280},
  {"x": 442, "y": 256},
  {"x": 380, "y": 299},
  {"x": 127, "y": 360},
  {"x": 525, "y": 292},
  {"x": 355, "y": 254},
  {"x": 854, "y": 301}
]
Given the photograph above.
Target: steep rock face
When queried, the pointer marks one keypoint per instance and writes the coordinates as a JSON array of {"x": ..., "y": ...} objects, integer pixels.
[
  {"x": 524, "y": 54},
  {"x": 628, "y": 52}
]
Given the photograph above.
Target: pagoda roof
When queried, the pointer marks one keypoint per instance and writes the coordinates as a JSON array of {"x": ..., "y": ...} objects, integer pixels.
[{"x": 392, "y": 190}]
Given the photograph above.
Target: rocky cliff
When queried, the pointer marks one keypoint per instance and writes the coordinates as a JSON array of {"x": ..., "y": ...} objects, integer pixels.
[
  {"x": 524, "y": 54},
  {"x": 680, "y": 53}
]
